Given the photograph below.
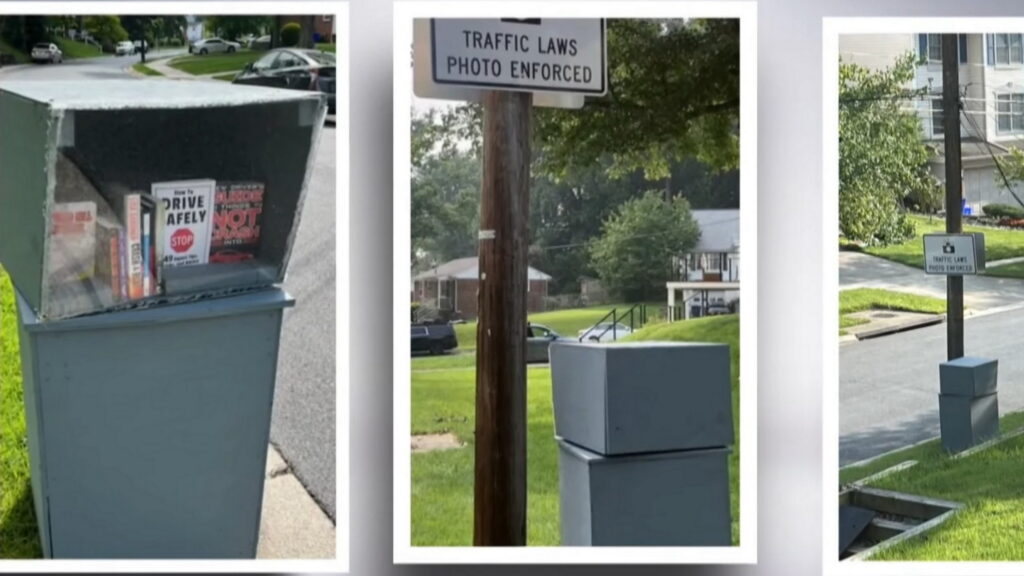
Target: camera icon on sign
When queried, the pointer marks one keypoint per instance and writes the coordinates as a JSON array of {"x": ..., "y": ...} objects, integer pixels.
[{"x": 948, "y": 248}]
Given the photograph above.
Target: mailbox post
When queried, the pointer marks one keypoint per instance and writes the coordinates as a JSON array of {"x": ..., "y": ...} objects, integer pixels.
[
  {"x": 145, "y": 226},
  {"x": 644, "y": 433}
]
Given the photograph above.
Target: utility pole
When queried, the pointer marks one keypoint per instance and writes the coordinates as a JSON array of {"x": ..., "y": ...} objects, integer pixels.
[
  {"x": 499, "y": 497},
  {"x": 954, "y": 184}
]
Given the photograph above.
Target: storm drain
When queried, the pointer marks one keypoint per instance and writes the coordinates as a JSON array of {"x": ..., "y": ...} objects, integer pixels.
[{"x": 871, "y": 520}]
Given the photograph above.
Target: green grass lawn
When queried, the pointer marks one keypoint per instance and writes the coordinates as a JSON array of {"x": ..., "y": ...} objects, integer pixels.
[
  {"x": 19, "y": 56},
  {"x": 18, "y": 533},
  {"x": 327, "y": 48},
  {"x": 999, "y": 244},
  {"x": 1015, "y": 270},
  {"x": 566, "y": 322},
  {"x": 140, "y": 67},
  {"x": 73, "y": 49},
  {"x": 988, "y": 482},
  {"x": 862, "y": 299},
  {"x": 442, "y": 482},
  {"x": 226, "y": 77},
  {"x": 215, "y": 63}
]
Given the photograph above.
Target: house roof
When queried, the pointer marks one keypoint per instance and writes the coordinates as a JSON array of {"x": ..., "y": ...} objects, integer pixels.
[
  {"x": 468, "y": 269},
  {"x": 719, "y": 230}
]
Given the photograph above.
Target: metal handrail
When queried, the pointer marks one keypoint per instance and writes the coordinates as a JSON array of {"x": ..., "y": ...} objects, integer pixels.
[{"x": 633, "y": 311}]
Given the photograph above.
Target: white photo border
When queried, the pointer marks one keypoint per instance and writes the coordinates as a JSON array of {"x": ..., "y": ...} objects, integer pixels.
[
  {"x": 340, "y": 563},
  {"x": 831, "y": 31},
  {"x": 404, "y": 552}
]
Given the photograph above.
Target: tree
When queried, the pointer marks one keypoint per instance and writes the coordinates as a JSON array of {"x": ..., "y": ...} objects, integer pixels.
[
  {"x": 673, "y": 93},
  {"x": 107, "y": 30},
  {"x": 882, "y": 158},
  {"x": 141, "y": 28},
  {"x": 1012, "y": 167},
  {"x": 234, "y": 27},
  {"x": 290, "y": 34},
  {"x": 633, "y": 257}
]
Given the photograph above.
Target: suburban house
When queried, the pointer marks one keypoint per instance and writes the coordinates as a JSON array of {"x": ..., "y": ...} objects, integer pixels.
[
  {"x": 708, "y": 278},
  {"x": 451, "y": 288},
  {"x": 992, "y": 80}
]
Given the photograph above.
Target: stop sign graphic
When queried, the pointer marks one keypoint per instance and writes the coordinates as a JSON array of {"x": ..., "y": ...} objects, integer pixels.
[{"x": 182, "y": 240}]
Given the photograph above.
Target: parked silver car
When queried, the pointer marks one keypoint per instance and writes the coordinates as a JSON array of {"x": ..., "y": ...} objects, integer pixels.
[
  {"x": 538, "y": 342},
  {"x": 47, "y": 52},
  {"x": 213, "y": 46}
]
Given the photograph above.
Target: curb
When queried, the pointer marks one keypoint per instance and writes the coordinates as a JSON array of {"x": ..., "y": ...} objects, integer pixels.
[{"x": 868, "y": 334}]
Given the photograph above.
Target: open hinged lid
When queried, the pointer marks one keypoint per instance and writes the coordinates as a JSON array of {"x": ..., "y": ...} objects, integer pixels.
[{"x": 124, "y": 194}]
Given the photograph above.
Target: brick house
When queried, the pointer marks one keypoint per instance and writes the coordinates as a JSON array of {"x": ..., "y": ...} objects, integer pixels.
[
  {"x": 452, "y": 287},
  {"x": 323, "y": 26}
]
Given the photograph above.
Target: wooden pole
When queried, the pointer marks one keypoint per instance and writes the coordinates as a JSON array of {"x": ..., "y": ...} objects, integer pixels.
[
  {"x": 954, "y": 183},
  {"x": 499, "y": 498}
]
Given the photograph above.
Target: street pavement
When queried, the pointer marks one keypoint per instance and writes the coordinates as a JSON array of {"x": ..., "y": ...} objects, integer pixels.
[
  {"x": 858, "y": 270},
  {"x": 303, "y": 426},
  {"x": 889, "y": 386}
]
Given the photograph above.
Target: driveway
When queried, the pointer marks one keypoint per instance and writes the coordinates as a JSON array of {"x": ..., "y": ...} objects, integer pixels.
[{"x": 859, "y": 270}]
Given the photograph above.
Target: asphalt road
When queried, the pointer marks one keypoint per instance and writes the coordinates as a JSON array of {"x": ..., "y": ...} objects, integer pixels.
[
  {"x": 303, "y": 426},
  {"x": 889, "y": 386}
]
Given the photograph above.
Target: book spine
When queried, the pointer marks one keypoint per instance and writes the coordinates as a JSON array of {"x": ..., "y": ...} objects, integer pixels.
[
  {"x": 115, "y": 268},
  {"x": 158, "y": 244},
  {"x": 147, "y": 288},
  {"x": 133, "y": 224},
  {"x": 123, "y": 260}
]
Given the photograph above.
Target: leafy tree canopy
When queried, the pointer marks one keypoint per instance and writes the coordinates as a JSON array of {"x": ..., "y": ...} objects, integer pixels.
[
  {"x": 673, "y": 93},
  {"x": 634, "y": 254},
  {"x": 234, "y": 27},
  {"x": 883, "y": 162}
]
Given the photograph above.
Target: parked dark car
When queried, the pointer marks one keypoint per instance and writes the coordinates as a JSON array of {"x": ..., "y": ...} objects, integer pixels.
[
  {"x": 293, "y": 68},
  {"x": 538, "y": 342},
  {"x": 433, "y": 338}
]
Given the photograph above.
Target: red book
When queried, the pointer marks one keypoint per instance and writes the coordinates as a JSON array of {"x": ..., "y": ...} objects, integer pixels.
[{"x": 238, "y": 208}]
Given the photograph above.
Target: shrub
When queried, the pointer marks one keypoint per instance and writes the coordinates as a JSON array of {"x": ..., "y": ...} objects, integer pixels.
[
  {"x": 290, "y": 34},
  {"x": 1003, "y": 211}
]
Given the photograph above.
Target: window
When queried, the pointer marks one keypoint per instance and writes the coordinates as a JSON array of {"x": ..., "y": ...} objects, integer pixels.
[
  {"x": 1004, "y": 49},
  {"x": 938, "y": 118},
  {"x": 713, "y": 261},
  {"x": 930, "y": 47},
  {"x": 1010, "y": 113}
]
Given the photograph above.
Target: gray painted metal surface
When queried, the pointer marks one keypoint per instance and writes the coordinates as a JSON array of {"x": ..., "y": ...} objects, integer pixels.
[
  {"x": 148, "y": 429},
  {"x": 966, "y": 420},
  {"x": 642, "y": 397},
  {"x": 124, "y": 136},
  {"x": 968, "y": 376},
  {"x": 668, "y": 499}
]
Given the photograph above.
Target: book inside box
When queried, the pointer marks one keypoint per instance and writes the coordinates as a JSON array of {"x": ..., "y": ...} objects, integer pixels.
[{"x": 160, "y": 205}]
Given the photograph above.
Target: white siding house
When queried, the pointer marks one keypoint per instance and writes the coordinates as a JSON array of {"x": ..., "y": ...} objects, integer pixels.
[
  {"x": 992, "y": 80},
  {"x": 709, "y": 275}
]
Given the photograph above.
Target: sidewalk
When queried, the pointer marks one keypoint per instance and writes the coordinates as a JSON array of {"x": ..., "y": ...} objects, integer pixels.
[
  {"x": 161, "y": 66},
  {"x": 293, "y": 525}
]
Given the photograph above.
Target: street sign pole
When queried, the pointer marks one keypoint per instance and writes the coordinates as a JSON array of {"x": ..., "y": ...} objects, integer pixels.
[
  {"x": 951, "y": 129},
  {"x": 499, "y": 497}
]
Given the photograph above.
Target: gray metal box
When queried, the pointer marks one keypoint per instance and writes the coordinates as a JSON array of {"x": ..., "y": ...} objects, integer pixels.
[
  {"x": 642, "y": 397},
  {"x": 666, "y": 499},
  {"x": 968, "y": 376},
  {"x": 71, "y": 142},
  {"x": 965, "y": 421},
  {"x": 148, "y": 429}
]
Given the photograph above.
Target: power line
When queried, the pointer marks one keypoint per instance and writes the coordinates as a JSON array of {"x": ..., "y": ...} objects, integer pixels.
[{"x": 988, "y": 147}]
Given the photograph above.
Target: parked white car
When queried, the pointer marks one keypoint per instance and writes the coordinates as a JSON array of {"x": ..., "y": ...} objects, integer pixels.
[
  {"x": 213, "y": 46},
  {"x": 125, "y": 48},
  {"x": 604, "y": 332},
  {"x": 47, "y": 52}
]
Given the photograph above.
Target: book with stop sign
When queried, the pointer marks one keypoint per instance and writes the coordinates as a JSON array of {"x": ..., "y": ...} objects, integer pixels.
[
  {"x": 187, "y": 219},
  {"x": 238, "y": 207}
]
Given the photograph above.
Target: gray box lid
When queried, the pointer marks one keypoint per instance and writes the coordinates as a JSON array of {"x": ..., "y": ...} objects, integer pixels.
[
  {"x": 642, "y": 397},
  {"x": 147, "y": 94},
  {"x": 968, "y": 376}
]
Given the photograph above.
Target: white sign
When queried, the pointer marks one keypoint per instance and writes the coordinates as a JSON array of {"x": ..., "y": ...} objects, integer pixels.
[
  {"x": 953, "y": 254},
  {"x": 188, "y": 207},
  {"x": 529, "y": 54}
]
